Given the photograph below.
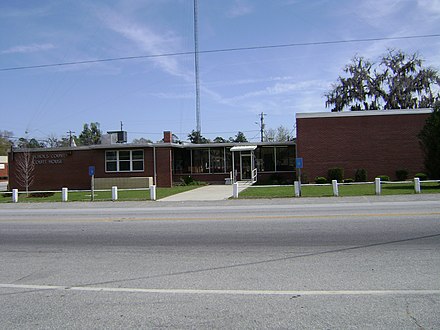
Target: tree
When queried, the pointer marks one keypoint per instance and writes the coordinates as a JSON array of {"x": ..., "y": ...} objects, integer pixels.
[
  {"x": 25, "y": 169},
  {"x": 430, "y": 141},
  {"x": 219, "y": 139},
  {"x": 5, "y": 142},
  {"x": 90, "y": 135},
  {"x": 240, "y": 137},
  {"x": 24, "y": 143},
  {"x": 281, "y": 134},
  {"x": 141, "y": 141},
  {"x": 52, "y": 141},
  {"x": 398, "y": 81},
  {"x": 196, "y": 137}
]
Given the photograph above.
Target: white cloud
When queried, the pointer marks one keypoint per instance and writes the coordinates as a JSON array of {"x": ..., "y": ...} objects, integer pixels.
[
  {"x": 149, "y": 41},
  {"x": 248, "y": 81},
  {"x": 18, "y": 12},
  {"x": 378, "y": 9},
  {"x": 283, "y": 89},
  {"x": 33, "y": 48},
  {"x": 431, "y": 6},
  {"x": 240, "y": 8}
]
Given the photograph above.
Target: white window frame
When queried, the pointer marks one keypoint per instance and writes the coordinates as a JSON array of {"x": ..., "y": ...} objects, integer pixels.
[{"x": 131, "y": 160}]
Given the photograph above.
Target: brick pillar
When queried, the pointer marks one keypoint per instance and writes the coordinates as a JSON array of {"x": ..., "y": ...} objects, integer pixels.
[{"x": 164, "y": 167}]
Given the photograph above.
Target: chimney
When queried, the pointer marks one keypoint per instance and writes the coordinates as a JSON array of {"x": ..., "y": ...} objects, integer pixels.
[{"x": 167, "y": 137}]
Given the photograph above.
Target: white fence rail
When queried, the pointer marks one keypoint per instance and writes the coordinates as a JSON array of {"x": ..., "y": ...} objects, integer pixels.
[
  {"x": 377, "y": 185},
  {"x": 65, "y": 192}
]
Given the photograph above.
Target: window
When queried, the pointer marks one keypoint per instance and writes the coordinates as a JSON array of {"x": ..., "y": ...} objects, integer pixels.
[
  {"x": 200, "y": 161},
  {"x": 124, "y": 161},
  {"x": 285, "y": 157},
  {"x": 266, "y": 159},
  {"x": 182, "y": 161},
  {"x": 217, "y": 160}
]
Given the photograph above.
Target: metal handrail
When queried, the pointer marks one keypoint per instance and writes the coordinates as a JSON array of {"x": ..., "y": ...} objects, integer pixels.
[{"x": 254, "y": 175}]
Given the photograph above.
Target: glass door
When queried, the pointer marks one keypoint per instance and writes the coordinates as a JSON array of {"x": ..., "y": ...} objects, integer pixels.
[{"x": 246, "y": 167}]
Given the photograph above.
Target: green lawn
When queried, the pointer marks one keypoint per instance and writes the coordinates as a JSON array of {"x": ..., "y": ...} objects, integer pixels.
[
  {"x": 344, "y": 190},
  {"x": 84, "y": 196}
]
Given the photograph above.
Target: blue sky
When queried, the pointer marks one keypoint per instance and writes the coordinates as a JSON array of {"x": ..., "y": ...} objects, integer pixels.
[{"x": 151, "y": 95}]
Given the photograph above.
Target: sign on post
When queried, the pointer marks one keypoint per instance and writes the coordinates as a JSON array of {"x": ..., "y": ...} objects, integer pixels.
[
  {"x": 92, "y": 183},
  {"x": 299, "y": 165},
  {"x": 91, "y": 170}
]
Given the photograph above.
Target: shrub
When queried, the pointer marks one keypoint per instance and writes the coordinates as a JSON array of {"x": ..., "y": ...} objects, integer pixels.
[
  {"x": 304, "y": 178},
  {"x": 401, "y": 175},
  {"x": 383, "y": 177},
  {"x": 336, "y": 173},
  {"x": 187, "y": 180},
  {"x": 360, "y": 175},
  {"x": 348, "y": 180},
  {"x": 421, "y": 176},
  {"x": 320, "y": 180}
]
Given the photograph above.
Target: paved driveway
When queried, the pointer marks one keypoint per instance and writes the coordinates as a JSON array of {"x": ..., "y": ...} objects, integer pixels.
[{"x": 206, "y": 193}]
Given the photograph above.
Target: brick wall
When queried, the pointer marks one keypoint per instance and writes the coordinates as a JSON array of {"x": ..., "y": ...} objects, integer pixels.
[
  {"x": 55, "y": 169},
  {"x": 164, "y": 167},
  {"x": 3, "y": 171},
  {"x": 381, "y": 144}
]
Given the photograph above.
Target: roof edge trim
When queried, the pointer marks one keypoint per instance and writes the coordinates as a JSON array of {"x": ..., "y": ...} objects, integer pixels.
[{"x": 362, "y": 113}]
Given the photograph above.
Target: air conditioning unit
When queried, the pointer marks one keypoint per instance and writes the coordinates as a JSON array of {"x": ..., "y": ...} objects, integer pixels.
[
  {"x": 118, "y": 136},
  {"x": 122, "y": 137}
]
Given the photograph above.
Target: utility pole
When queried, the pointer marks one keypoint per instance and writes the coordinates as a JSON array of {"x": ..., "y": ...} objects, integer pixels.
[
  {"x": 71, "y": 144},
  {"x": 262, "y": 126}
]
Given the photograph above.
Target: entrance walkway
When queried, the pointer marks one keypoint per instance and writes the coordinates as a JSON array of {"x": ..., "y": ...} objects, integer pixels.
[{"x": 206, "y": 193}]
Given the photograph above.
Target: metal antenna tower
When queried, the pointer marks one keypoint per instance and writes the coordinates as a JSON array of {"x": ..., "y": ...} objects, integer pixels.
[
  {"x": 196, "y": 66},
  {"x": 262, "y": 126}
]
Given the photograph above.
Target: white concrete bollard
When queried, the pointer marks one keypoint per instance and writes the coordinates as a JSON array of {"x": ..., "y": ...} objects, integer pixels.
[
  {"x": 14, "y": 195},
  {"x": 335, "y": 188},
  {"x": 235, "y": 190},
  {"x": 153, "y": 192},
  {"x": 377, "y": 186},
  {"x": 417, "y": 187},
  {"x": 114, "y": 193},
  {"x": 64, "y": 194},
  {"x": 297, "y": 186}
]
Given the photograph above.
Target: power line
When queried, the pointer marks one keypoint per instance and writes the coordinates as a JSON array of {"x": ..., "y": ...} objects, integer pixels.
[{"x": 224, "y": 50}]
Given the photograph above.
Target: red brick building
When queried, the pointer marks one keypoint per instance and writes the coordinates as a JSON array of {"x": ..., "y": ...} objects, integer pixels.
[
  {"x": 163, "y": 164},
  {"x": 380, "y": 142},
  {"x": 3, "y": 167}
]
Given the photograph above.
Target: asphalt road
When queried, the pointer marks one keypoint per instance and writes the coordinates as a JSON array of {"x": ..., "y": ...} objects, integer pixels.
[{"x": 318, "y": 263}]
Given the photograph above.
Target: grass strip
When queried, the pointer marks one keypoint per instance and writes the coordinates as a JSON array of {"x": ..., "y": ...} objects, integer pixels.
[
  {"x": 85, "y": 196},
  {"x": 344, "y": 190}
]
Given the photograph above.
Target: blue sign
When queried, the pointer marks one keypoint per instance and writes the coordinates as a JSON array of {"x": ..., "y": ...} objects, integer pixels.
[
  {"x": 91, "y": 170},
  {"x": 299, "y": 162}
]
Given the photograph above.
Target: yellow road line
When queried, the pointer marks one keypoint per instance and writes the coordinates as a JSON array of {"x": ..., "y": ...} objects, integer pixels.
[
  {"x": 295, "y": 293},
  {"x": 226, "y": 217}
]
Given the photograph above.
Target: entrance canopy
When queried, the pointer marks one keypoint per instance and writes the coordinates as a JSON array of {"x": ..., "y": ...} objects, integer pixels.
[
  {"x": 251, "y": 172},
  {"x": 243, "y": 148}
]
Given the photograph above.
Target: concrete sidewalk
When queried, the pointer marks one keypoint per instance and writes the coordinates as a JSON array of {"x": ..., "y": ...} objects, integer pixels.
[{"x": 205, "y": 193}]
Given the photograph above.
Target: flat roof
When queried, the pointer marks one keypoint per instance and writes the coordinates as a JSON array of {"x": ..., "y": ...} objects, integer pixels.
[
  {"x": 157, "y": 145},
  {"x": 362, "y": 113}
]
